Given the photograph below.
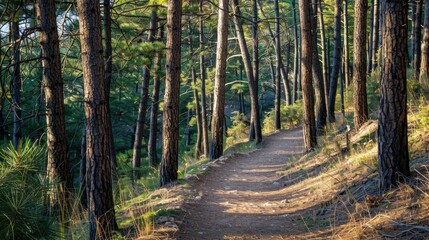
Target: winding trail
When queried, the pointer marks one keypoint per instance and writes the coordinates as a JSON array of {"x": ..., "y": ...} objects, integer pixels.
[{"x": 243, "y": 198}]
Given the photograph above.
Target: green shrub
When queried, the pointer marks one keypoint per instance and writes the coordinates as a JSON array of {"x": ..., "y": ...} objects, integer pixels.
[
  {"x": 239, "y": 129},
  {"x": 290, "y": 116}
]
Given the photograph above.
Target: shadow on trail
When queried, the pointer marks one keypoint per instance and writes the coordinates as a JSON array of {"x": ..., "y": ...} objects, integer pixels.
[{"x": 244, "y": 198}]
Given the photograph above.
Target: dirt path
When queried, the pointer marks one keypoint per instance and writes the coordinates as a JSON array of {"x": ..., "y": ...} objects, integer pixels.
[{"x": 244, "y": 198}]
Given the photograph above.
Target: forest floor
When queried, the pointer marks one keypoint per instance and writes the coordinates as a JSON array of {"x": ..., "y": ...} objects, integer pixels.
[
  {"x": 244, "y": 197},
  {"x": 278, "y": 192}
]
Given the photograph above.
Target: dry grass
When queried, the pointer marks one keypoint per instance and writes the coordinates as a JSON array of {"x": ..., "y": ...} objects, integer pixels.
[{"x": 341, "y": 188}]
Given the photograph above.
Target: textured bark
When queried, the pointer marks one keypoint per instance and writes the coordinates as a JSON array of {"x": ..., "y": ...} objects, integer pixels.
[
  {"x": 359, "y": 64},
  {"x": 108, "y": 61},
  {"x": 393, "y": 158},
  {"x": 308, "y": 124},
  {"x": 141, "y": 117},
  {"x": 255, "y": 58},
  {"x": 170, "y": 127},
  {"x": 98, "y": 166},
  {"x": 325, "y": 59},
  {"x": 336, "y": 61},
  {"x": 153, "y": 128},
  {"x": 375, "y": 35},
  {"x": 203, "y": 87},
  {"x": 346, "y": 44},
  {"x": 253, "y": 90},
  {"x": 243, "y": 108},
  {"x": 16, "y": 77},
  {"x": 278, "y": 92},
  {"x": 317, "y": 74},
  {"x": 417, "y": 39},
  {"x": 58, "y": 164},
  {"x": 296, "y": 54},
  {"x": 412, "y": 4},
  {"x": 371, "y": 37},
  {"x": 216, "y": 144},
  {"x": 424, "y": 66},
  {"x": 284, "y": 72},
  {"x": 82, "y": 172}
]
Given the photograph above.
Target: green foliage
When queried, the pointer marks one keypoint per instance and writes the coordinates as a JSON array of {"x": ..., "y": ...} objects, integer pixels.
[
  {"x": 290, "y": 117},
  {"x": 239, "y": 129},
  {"x": 22, "y": 188}
]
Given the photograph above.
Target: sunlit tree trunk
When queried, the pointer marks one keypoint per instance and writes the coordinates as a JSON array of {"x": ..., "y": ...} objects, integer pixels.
[
  {"x": 317, "y": 74},
  {"x": 393, "y": 157},
  {"x": 346, "y": 43},
  {"x": 170, "y": 127},
  {"x": 296, "y": 62},
  {"x": 308, "y": 124},
  {"x": 424, "y": 67},
  {"x": 375, "y": 35},
  {"x": 255, "y": 119},
  {"x": 205, "y": 127},
  {"x": 58, "y": 166},
  {"x": 98, "y": 163},
  {"x": 359, "y": 64},
  {"x": 255, "y": 53},
  {"x": 417, "y": 39},
  {"x": 325, "y": 59},
  {"x": 278, "y": 92},
  {"x": 216, "y": 144},
  {"x": 336, "y": 61}
]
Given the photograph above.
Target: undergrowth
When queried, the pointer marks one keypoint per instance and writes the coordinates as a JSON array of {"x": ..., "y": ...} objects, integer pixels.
[{"x": 348, "y": 204}]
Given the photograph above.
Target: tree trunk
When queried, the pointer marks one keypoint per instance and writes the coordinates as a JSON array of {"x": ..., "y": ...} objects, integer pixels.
[
  {"x": 336, "y": 61},
  {"x": 412, "y": 4},
  {"x": 325, "y": 59},
  {"x": 98, "y": 168},
  {"x": 346, "y": 44},
  {"x": 371, "y": 37},
  {"x": 188, "y": 127},
  {"x": 284, "y": 74},
  {"x": 255, "y": 119},
  {"x": 199, "y": 150},
  {"x": 317, "y": 74},
  {"x": 278, "y": 91},
  {"x": 108, "y": 61},
  {"x": 153, "y": 132},
  {"x": 82, "y": 172},
  {"x": 393, "y": 157},
  {"x": 241, "y": 93},
  {"x": 310, "y": 140},
  {"x": 203, "y": 87},
  {"x": 417, "y": 39},
  {"x": 424, "y": 67},
  {"x": 58, "y": 166},
  {"x": 296, "y": 55},
  {"x": 16, "y": 78},
  {"x": 141, "y": 117},
  {"x": 216, "y": 148},
  {"x": 255, "y": 45},
  {"x": 170, "y": 127},
  {"x": 284, "y": 69},
  {"x": 375, "y": 35},
  {"x": 359, "y": 64}
]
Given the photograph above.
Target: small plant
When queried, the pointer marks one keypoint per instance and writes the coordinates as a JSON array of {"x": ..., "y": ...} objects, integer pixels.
[
  {"x": 22, "y": 192},
  {"x": 290, "y": 117}
]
